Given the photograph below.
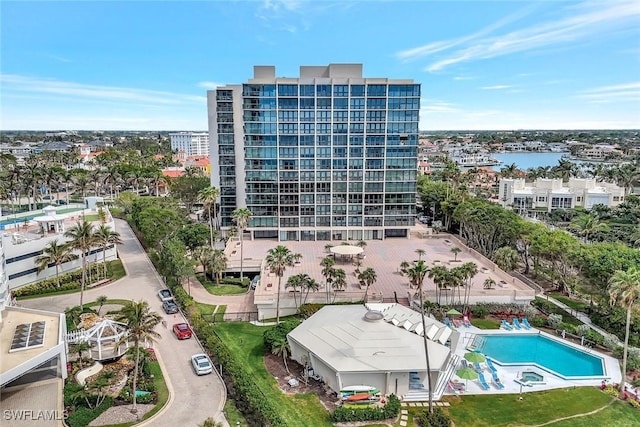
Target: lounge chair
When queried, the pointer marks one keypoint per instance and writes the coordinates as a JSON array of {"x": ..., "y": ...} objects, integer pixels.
[
  {"x": 465, "y": 319},
  {"x": 448, "y": 323},
  {"x": 456, "y": 387},
  {"x": 477, "y": 367},
  {"x": 496, "y": 380},
  {"x": 505, "y": 325},
  {"x": 483, "y": 382},
  {"x": 490, "y": 365},
  {"x": 464, "y": 363},
  {"x": 516, "y": 324},
  {"x": 525, "y": 322}
]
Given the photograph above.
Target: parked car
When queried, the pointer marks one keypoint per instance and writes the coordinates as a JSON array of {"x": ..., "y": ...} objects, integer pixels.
[
  {"x": 201, "y": 364},
  {"x": 170, "y": 306},
  {"x": 165, "y": 295},
  {"x": 61, "y": 201},
  {"x": 182, "y": 331},
  {"x": 255, "y": 281}
]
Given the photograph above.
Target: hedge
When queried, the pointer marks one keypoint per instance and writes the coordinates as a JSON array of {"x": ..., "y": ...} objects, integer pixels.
[
  {"x": 390, "y": 410},
  {"x": 68, "y": 281}
]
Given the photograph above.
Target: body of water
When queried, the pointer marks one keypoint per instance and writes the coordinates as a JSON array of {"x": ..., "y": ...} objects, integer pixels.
[
  {"x": 524, "y": 349},
  {"x": 526, "y": 160}
]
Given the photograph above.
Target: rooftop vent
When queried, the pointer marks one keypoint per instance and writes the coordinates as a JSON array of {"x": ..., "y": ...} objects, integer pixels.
[{"x": 373, "y": 316}]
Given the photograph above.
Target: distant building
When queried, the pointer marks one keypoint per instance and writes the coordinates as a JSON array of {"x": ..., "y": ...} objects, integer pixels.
[
  {"x": 551, "y": 194},
  {"x": 328, "y": 155},
  {"x": 192, "y": 143}
]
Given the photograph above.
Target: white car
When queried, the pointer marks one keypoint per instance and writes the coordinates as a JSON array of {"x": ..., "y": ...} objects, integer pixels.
[
  {"x": 201, "y": 364},
  {"x": 165, "y": 295}
]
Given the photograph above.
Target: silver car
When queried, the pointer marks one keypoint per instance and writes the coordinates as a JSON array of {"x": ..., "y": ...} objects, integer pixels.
[{"x": 201, "y": 364}]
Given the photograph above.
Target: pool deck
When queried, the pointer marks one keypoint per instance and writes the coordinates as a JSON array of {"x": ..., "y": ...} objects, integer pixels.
[{"x": 508, "y": 374}]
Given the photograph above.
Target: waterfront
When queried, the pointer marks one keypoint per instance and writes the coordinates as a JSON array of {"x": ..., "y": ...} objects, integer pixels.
[{"x": 526, "y": 160}]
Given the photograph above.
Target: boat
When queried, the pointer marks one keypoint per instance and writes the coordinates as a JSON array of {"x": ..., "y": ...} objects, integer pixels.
[
  {"x": 356, "y": 389},
  {"x": 358, "y": 397}
]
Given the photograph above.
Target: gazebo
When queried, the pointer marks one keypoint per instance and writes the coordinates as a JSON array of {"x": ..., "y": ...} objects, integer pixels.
[
  {"x": 105, "y": 338},
  {"x": 346, "y": 250},
  {"x": 51, "y": 221}
]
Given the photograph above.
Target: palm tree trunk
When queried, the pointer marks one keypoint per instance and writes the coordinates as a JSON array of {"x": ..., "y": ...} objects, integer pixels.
[
  {"x": 242, "y": 256},
  {"x": 104, "y": 260},
  {"x": 278, "y": 300},
  {"x": 84, "y": 278},
  {"x": 624, "y": 352},
  {"x": 135, "y": 376},
  {"x": 366, "y": 293},
  {"x": 426, "y": 348},
  {"x": 57, "y": 275},
  {"x": 210, "y": 227}
]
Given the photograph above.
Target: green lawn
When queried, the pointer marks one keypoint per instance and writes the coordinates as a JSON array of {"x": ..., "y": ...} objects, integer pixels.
[
  {"x": 536, "y": 408},
  {"x": 221, "y": 289},
  {"x": 245, "y": 341},
  {"x": 576, "y": 305},
  {"x": 219, "y": 316},
  {"x": 485, "y": 323},
  {"x": 205, "y": 309},
  {"x": 233, "y": 416},
  {"x": 619, "y": 414}
]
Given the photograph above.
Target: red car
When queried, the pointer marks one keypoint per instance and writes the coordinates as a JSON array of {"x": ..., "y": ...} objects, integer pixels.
[{"x": 182, "y": 331}]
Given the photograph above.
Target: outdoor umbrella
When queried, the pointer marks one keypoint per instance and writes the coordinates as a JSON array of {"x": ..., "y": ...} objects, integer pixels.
[
  {"x": 474, "y": 357},
  {"x": 467, "y": 374},
  {"x": 454, "y": 312}
]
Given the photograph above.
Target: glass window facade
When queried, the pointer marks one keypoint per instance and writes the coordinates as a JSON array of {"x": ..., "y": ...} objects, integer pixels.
[{"x": 323, "y": 157}]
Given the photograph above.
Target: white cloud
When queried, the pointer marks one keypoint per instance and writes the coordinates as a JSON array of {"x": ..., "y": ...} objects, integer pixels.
[
  {"x": 210, "y": 85},
  {"x": 590, "y": 20},
  {"x": 615, "y": 93},
  {"x": 496, "y": 87},
  {"x": 463, "y": 78},
  {"x": 44, "y": 86}
]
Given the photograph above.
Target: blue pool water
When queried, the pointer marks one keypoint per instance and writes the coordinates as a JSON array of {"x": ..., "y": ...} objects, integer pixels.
[{"x": 550, "y": 354}]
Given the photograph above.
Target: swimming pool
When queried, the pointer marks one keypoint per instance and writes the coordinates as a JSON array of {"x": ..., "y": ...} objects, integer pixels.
[{"x": 549, "y": 354}]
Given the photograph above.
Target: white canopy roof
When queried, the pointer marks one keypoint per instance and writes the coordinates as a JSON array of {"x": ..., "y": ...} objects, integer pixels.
[
  {"x": 346, "y": 250},
  {"x": 344, "y": 340}
]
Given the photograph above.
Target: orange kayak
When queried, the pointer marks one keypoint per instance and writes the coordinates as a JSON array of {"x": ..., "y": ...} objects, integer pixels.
[{"x": 357, "y": 397}]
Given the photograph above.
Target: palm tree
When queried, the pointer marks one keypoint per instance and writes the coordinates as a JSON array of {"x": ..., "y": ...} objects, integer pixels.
[
  {"x": 469, "y": 269},
  {"x": 79, "y": 347},
  {"x": 368, "y": 277},
  {"x": 217, "y": 263},
  {"x": 339, "y": 281},
  {"x": 295, "y": 282},
  {"x": 82, "y": 239},
  {"x": 420, "y": 253},
  {"x": 141, "y": 323},
  {"x": 241, "y": 217},
  {"x": 327, "y": 264},
  {"x": 417, "y": 272},
  {"x": 208, "y": 196},
  {"x": 278, "y": 259},
  {"x": 455, "y": 251},
  {"x": 624, "y": 290},
  {"x": 55, "y": 254},
  {"x": 281, "y": 347},
  {"x": 438, "y": 275},
  {"x": 101, "y": 300},
  {"x": 308, "y": 285},
  {"x": 489, "y": 283},
  {"x": 588, "y": 224},
  {"x": 105, "y": 236},
  {"x": 506, "y": 258}
]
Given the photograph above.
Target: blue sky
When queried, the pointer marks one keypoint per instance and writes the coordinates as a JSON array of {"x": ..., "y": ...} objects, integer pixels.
[{"x": 147, "y": 65}]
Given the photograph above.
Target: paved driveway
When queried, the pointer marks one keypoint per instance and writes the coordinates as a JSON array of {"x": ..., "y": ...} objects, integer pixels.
[{"x": 193, "y": 398}]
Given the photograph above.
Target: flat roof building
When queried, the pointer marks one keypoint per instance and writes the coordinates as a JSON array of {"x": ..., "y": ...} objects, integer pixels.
[
  {"x": 192, "y": 143},
  {"x": 328, "y": 155}
]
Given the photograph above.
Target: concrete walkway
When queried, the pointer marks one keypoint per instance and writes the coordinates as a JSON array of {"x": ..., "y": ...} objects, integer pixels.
[
  {"x": 192, "y": 398},
  {"x": 242, "y": 303}
]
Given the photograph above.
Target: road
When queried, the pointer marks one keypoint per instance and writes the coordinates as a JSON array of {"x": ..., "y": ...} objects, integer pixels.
[{"x": 192, "y": 398}]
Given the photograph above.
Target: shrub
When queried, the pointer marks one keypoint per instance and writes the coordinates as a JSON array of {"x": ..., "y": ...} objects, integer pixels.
[
  {"x": 278, "y": 333},
  {"x": 539, "y": 321},
  {"x": 435, "y": 419},
  {"x": 583, "y": 330},
  {"x": 610, "y": 390},
  {"x": 350, "y": 414},
  {"x": 479, "y": 311},
  {"x": 569, "y": 328},
  {"x": 308, "y": 310},
  {"x": 634, "y": 403},
  {"x": 82, "y": 416},
  {"x": 554, "y": 320},
  {"x": 610, "y": 341}
]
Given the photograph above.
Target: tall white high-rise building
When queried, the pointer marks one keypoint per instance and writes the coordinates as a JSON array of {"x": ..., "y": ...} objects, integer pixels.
[
  {"x": 192, "y": 143},
  {"x": 328, "y": 155}
]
